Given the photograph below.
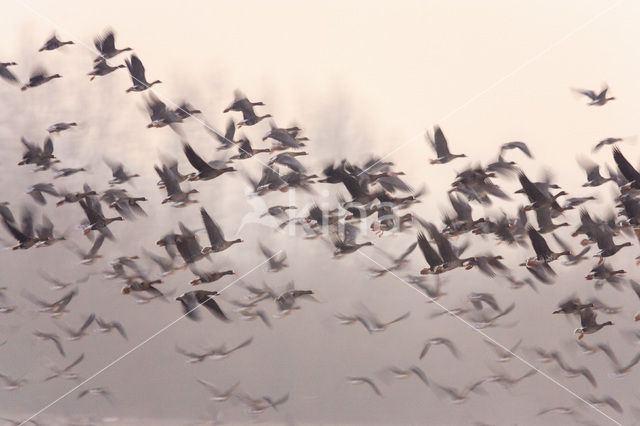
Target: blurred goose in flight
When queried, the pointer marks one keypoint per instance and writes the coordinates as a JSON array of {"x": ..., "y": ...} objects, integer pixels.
[
  {"x": 221, "y": 352},
  {"x": 347, "y": 244},
  {"x": 588, "y": 324},
  {"x": 413, "y": 370},
  {"x": 102, "y": 68},
  {"x": 119, "y": 174},
  {"x": 6, "y": 74},
  {"x": 245, "y": 150},
  {"x": 137, "y": 73},
  {"x": 208, "y": 277},
  {"x": 441, "y": 147},
  {"x": 516, "y": 145},
  {"x": 483, "y": 320},
  {"x": 572, "y": 306},
  {"x": 74, "y": 197},
  {"x": 477, "y": 299},
  {"x": 241, "y": 103},
  {"x": 283, "y": 138},
  {"x": 628, "y": 171},
  {"x": 373, "y": 324},
  {"x": 258, "y": 406},
  {"x": 95, "y": 391},
  {"x": 541, "y": 248},
  {"x": 597, "y": 99},
  {"x": 159, "y": 114},
  {"x": 286, "y": 300},
  {"x": 25, "y": 235},
  {"x": 604, "y": 239},
  {"x": 503, "y": 355},
  {"x": 56, "y": 308},
  {"x": 217, "y": 394},
  {"x": 193, "y": 357},
  {"x": 175, "y": 195},
  {"x": 619, "y": 370},
  {"x": 36, "y": 192},
  {"x": 108, "y": 326},
  {"x": 594, "y": 178},
  {"x": 39, "y": 77},
  {"x": 42, "y": 157},
  {"x": 89, "y": 257},
  {"x": 105, "y": 44},
  {"x": 216, "y": 236},
  {"x": 52, "y": 337},
  {"x": 60, "y": 127},
  {"x": 66, "y": 373},
  {"x": 545, "y": 223},
  {"x": 396, "y": 263},
  {"x": 205, "y": 170},
  {"x": 53, "y": 43},
  {"x": 364, "y": 381},
  {"x": 439, "y": 341},
  {"x": 573, "y": 372},
  {"x": 605, "y": 400},
  {"x": 277, "y": 261},
  {"x": 538, "y": 198},
  {"x": 288, "y": 159},
  {"x": 80, "y": 332},
  {"x": 605, "y": 142},
  {"x": 431, "y": 256},
  {"x": 11, "y": 383},
  {"x": 185, "y": 110},
  {"x": 225, "y": 140},
  {"x": 97, "y": 221},
  {"x": 192, "y": 300}
]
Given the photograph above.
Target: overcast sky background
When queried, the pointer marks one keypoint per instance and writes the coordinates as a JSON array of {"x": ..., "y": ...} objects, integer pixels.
[{"x": 359, "y": 78}]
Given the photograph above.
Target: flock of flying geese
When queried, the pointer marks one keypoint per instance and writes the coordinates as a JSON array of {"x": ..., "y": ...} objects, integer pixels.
[{"x": 377, "y": 193}]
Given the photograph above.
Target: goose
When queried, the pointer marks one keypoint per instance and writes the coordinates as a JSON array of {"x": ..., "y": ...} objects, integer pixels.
[
  {"x": 187, "y": 245},
  {"x": 52, "y": 337},
  {"x": 636, "y": 288},
  {"x": 105, "y": 44},
  {"x": 487, "y": 264},
  {"x": 6, "y": 74},
  {"x": 572, "y": 371},
  {"x": 81, "y": 332},
  {"x": 483, "y": 320},
  {"x": 217, "y": 394},
  {"x": 588, "y": 324},
  {"x": 205, "y": 170},
  {"x": 45, "y": 234},
  {"x": 137, "y": 73},
  {"x": 347, "y": 244},
  {"x": 628, "y": 171},
  {"x": 160, "y": 115},
  {"x": 448, "y": 255},
  {"x": 373, "y": 325},
  {"x": 36, "y": 192},
  {"x": 477, "y": 300},
  {"x": 277, "y": 211},
  {"x": 53, "y": 43},
  {"x": 277, "y": 261},
  {"x": 66, "y": 373},
  {"x": 286, "y": 301},
  {"x": 97, "y": 221},
  {"x": 597, "y": 99},
  {"x": 431, "y": 256},
  {"x": 95, "y": 391},
  {"x": 241, "y": 103},
  {"x": 245, "y": 150},
  {"x": 364, "y": 381},
  {"x": 396, "y": 263},
  {"x": 225, "y": 140},
  {"x": 433, "y": 293},
  {"x": 288, "y": 159},
  {"x": 606, "y": 141},
  {"x": 605, "y": 400},
  {"x": 141, "y": 283},
  {"x": 221, "y": 352},
  {"x": 258, "y": 406},
  {"x": 441, "y": 147},
  {"x": 572, "y": 202},
  {"x": 25, "y": 236},
  {"x": 108, "y": 326},
  {"x": 545, "y": 223},
  {"x": 192, "y": 356},
  {"x": 413, "y": 370},
  {"x": 120, "y": 176},
  {"x": 602, "y": 271},
  {"x": 43, "y": 157},
  {"x": 166, "y": 264},
  {"x": 541, "y": 248},
  {"x": 503, "y": 355},
  {"x": 185, "y": 110},
  {"x": 249, "y": 315},
  {"x": 191, "y": 300},
  {"x": 175, "y": 195},
  {"x": 516, "y": 145},
  {"x": 60, "y": 127},
  {"x": 618, "y": 369},
  {"x": 282, "y": 137},
  {"x": 11, "y": 383},
  {"x": 457, "y": 397},
  {"x": 74, "y": 197},
  {"x": 537, "y": 197},
  {"x": 89, "y": 257},
  {"x": 439, "y": 341},
  {"x": 209, "y": 277},
  {"x": 38, "y": 78},
  {"x": 216, "y": 237},
  {"x": 56, "y": 308},
  {"x": 572, "y": 306},
  {"x": 604, "y": 238},
  {"x": 102, "y": 68}
]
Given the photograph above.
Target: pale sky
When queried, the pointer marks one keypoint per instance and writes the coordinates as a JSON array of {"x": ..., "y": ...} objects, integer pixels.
[{"x": 359, "y": 78}]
